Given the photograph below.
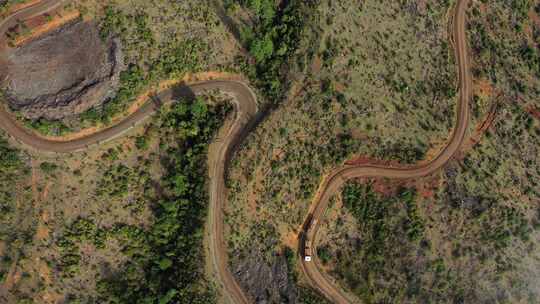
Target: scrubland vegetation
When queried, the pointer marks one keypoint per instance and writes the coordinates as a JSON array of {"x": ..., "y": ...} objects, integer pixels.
[
  {"x": 381, "y": 83},
  {"x": 171, "y": 254},
  {"x": 328, "y": 118},
  {"x": 343, "y": 79},
  {"x": 127, "y": 223},
  {"x": 480, "y": 243},
  {"x": 14, "y": 231},
  {"x": 466, "y": 243},
  {"x": 386, "y": 227},
  {"x": 350, "y": 102}
]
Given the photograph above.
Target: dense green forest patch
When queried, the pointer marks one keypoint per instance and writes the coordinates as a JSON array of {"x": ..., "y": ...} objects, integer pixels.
[
  {"x": 272, "y": 38},
  {"x": 165, "y": 265}
]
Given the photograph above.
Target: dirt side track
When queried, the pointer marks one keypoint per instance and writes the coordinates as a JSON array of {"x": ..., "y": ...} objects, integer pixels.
[
  {"x": 220, "y": 152},
  {"x": 335, "y": 180}
]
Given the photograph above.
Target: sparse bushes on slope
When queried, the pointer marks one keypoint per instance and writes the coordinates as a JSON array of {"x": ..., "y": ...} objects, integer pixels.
[
  {"x": 387, "y": 226},
  {"x": 14, "y": 233}
]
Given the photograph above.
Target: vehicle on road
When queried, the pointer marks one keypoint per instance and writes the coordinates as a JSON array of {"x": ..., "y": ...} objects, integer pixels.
[{"x": 307, "y": 251}]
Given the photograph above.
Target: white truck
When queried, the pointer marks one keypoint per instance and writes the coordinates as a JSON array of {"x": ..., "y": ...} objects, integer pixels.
[
  {"x": 307, "y": 251},
  {"x": 307, "y": 245}
]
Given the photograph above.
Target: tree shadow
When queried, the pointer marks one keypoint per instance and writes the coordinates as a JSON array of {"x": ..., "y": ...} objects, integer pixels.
[
  {"x": 232, "y": 27},
  {"x": 183, "y": 91},
  {"x": 227, "y": 21}
]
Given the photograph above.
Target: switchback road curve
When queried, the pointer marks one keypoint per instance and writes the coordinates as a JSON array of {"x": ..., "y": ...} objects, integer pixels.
[
  {"x": 221, "y": 151},
  {"x": 337, "y": 178},
  {"x": 246, "y": 115}
]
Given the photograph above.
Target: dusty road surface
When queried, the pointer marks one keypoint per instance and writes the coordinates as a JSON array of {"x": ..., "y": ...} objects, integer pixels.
[
  {"x": 220, "y": 153},
  {"x": 335, "y": 180},
  {"x": 246, "y": 114}
]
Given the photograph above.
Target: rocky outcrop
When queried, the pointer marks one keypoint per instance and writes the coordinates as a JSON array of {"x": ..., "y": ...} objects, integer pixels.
[
  {"x": 63, "y": 73},
  {"x": 266, "y": 283}
]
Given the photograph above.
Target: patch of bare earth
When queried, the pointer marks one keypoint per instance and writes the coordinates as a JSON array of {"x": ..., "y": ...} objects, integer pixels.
[
  {"x": 426, "y": 186},
  {"x": 42, "y": 231},
  {"x": 535, "y": 112},
  {"x": 484, "y": 88}
]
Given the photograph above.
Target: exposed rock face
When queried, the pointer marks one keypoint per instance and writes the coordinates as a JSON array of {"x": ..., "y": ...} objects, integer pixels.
[
  {"x": 265, "y": 283},
  {"x": 64, "y": 73}
]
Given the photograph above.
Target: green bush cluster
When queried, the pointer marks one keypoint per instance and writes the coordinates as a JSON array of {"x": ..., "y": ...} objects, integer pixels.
[
  {"x": 414, "y": 225},
  {"x": 405, "y": 152},
  {"x": 273, "y": 40},
  {"x": 500, "y": 225},
  {"x": 141, "y": 142},
  {"x": 47, "y": 127},
  {"x": 10, "y": 167},
  {"x": 15, "y": 234},
  {"x": 117, "y": 181},
  {"x": 520, "y": 9},
  {"x": 132, "y": 82},
  {"x": 173, "y": 64},
  {"x": 81, "y": 230},
  {"x": 113, "y": 22},
  {"x": 386, "y": 226},
  {"x": 10, "y": 160},
  {"x": 370, "y": 212},
  {"x": 48, "y": 168}
]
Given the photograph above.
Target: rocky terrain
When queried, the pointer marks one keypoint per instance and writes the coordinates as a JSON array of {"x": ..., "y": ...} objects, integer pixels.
[
  {"x": 63, "y": 73},
  {"x": 266, "y": 282}
]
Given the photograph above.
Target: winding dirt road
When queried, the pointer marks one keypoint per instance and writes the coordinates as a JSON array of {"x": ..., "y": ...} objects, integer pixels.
[
  {"x": 220, "y": 152},
  {"x": 336, "y": 179},
  {"x": 246, "y": 115}
]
